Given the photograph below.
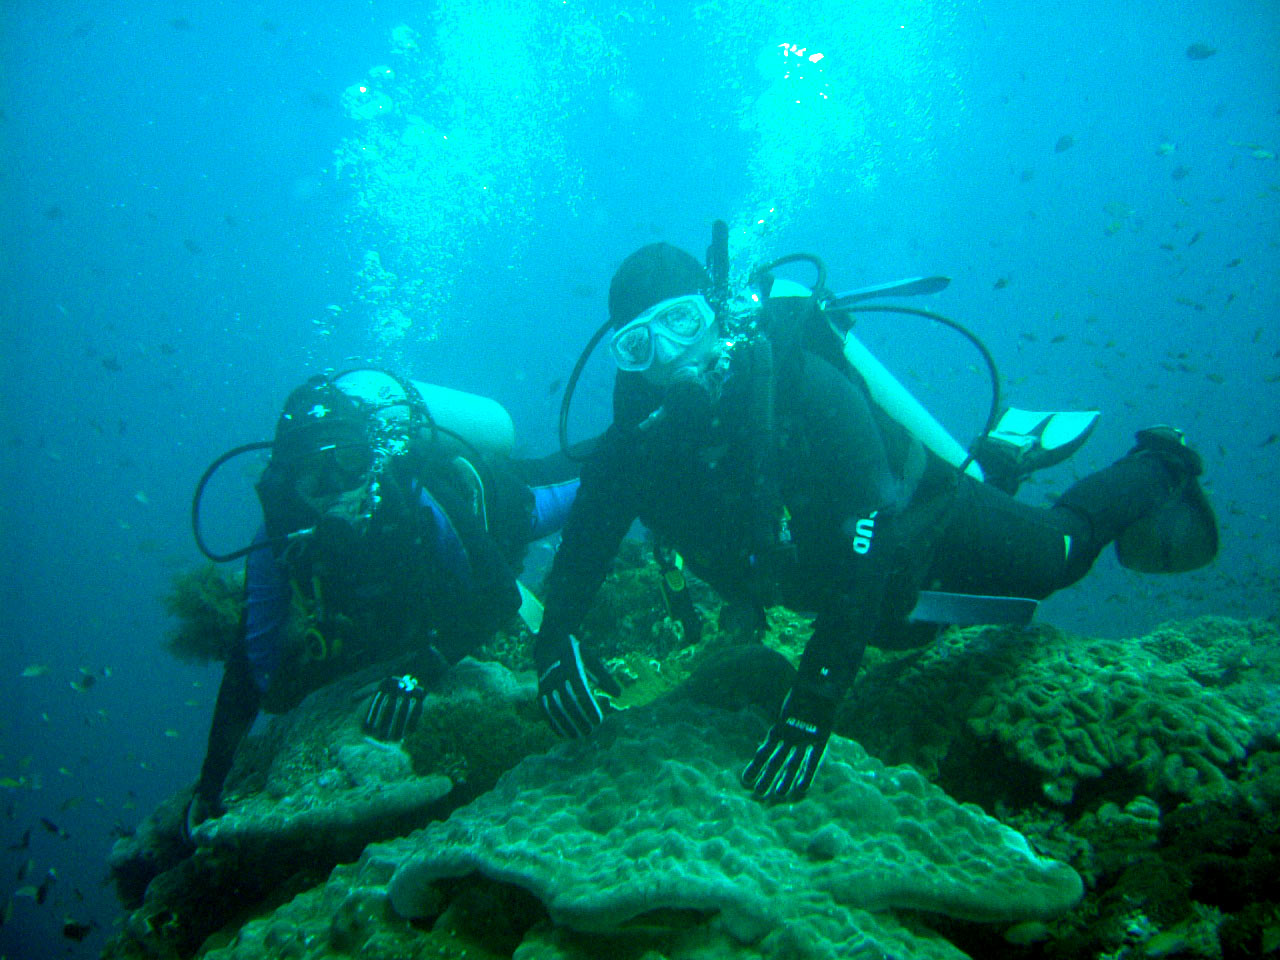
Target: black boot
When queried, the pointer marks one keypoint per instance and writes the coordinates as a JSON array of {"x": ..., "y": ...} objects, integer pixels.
[{"x": 1180, "y": 532}]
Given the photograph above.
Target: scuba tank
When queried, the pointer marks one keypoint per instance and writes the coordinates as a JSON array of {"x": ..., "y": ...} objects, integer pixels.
[{"x": 887, "y": 390}]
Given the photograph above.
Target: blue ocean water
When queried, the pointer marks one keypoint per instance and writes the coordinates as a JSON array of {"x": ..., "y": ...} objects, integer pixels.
[{"x": 192, "y": 194}]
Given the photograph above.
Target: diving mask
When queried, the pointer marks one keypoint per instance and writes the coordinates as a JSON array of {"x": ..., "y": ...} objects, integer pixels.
[
  {"x": 672, "y": 332},
  {"x": 333, "y": 470}
]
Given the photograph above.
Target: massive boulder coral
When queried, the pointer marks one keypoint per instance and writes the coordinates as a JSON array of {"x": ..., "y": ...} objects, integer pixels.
[{"x": 648, "y": 815}]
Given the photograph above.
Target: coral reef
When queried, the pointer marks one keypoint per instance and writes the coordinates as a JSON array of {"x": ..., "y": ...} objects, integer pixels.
[{"x": 1150, "y": 765}]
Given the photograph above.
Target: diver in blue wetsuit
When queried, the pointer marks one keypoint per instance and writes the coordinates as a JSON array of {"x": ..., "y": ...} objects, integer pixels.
[
  {"x": 394, "y": 525},
  {"x": 777, "y": 469}
]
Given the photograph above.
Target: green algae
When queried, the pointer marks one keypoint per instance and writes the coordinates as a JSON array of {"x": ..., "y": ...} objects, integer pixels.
[{"x": 208, "y": 605}]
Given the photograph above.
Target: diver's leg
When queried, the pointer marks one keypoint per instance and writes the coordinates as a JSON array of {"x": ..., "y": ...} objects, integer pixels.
[{"x": 992, "y": 544}]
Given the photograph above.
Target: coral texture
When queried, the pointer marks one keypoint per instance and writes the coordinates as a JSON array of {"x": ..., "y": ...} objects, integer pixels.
[
  {"x": 647, "y": 815},
  {"x": 1072, "y": 709}
]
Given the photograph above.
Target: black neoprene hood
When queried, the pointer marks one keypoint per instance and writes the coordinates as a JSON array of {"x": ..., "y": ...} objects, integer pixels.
[{"x": 652, "y": 274}]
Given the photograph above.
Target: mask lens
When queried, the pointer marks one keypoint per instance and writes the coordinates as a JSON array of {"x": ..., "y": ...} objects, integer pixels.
[
  {"x": 682, "y": 320},
  {"x": 333, "y": 470},
  {"x": 633, "y": 347}
]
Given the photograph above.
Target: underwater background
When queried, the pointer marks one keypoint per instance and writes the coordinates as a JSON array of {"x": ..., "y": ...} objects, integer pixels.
[{"x": 205, "y": 203}]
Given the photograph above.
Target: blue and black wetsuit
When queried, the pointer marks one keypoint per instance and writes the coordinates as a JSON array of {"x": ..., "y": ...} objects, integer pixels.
[{"x": 438, "y": 582}]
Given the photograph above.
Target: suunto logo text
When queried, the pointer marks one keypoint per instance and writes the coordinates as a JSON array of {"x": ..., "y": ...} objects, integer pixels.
[{"x": 863, "y": 531}]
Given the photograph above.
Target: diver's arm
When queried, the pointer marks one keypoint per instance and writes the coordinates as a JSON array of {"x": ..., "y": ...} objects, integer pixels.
[
  {"x": 852, "y": 495},
  {"x": 602, "y": 512},
  {"x": 233, "y": 715},
  {"x": 603, "y": 509},
  {"x": 252, "y": 662}
]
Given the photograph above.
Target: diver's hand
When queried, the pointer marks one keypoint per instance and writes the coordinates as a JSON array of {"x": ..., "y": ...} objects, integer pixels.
[
  {"x": 563, "y": 691},
  {"x": 787, "y": 761},
  {"x": 199, "y": 809},
  {"x": 395, "y": 708}
]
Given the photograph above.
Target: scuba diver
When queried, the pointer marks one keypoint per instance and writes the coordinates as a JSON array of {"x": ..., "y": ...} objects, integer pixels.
[
  {"x": 394, "y": 524},
  {"x": 752, "y": 436}
]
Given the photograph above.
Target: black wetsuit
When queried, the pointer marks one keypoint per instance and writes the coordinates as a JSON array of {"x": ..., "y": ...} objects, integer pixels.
[{"x": 691, "y": 474}]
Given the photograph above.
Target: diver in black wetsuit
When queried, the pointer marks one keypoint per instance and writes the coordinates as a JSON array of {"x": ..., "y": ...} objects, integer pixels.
[
  {"x": 780, "y": 481},
  {"x": 387, "y": 537}
]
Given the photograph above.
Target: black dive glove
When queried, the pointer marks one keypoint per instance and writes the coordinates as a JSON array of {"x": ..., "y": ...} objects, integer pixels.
[
  {"x": 787, "y": 761},
  {"x": 395, "y": 709},
  {"x": 563, "y": 691}
]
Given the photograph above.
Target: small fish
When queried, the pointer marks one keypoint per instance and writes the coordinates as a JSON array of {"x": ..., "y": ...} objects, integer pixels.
[
  {"x": 54, "y": 828},
  {"x": 1200, "y": 51},
  {"x": 1065, "y": 142},
  {"x": 1027, "y": 176},
  {"x": 75, "y": 930},
  {"x": 1194, "y": 237},
  {"x": 1270, "y": 440},
  {"x": 85, "y": 681},
  {"x": 26, "y": 868},
  {"x": 554, "y": 387},
  {"x": 112, "y": 364},
  {"x": 24, "y": 842},
  {"x": 42, "y": 891},
  {"x": 171, "y": 733},
  {"x": 53, "y": 213},
  {"x": 1058, "y": 338},
  {"x": 193, "y": 248},
  {"x": 180, "y": 23},
  {"x": 1233, "y": 263},
  {"x": 1180, "y": 172},
  {"x": 1215, "y": 378},
  {"x": 1166, "y": 148},
  {"x": 168, "y": 349},
  {"x": 1000, "y": 284},
  {"x": 35, "y": 670}
]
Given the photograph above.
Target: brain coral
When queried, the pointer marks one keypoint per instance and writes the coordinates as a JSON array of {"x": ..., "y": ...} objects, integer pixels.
[
  {"x": 1084, "y": 708},
  {"x": 647, "y": 816},
  {"x": 1071, "y": 708}
]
